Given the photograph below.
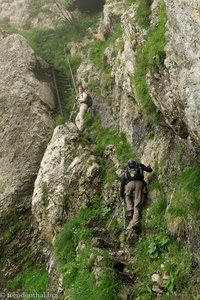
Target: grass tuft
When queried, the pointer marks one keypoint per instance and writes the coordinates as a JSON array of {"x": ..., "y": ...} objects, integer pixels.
[{"x": 150, "y": 58}]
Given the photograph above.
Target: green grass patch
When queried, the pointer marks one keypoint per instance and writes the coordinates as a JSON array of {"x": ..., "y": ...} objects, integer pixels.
[
  {"x": 110, "y": 175},
  {"x": 107, "y": 82},
  {"x": 77, "y": 266},
  {"x": 143, "y": 13},
  {"x": 150, "y": 58},
  {"x": 185, "y": 200},
  {"x": 74, "y": 230},
  {"x": 79, "y": 279},
  {"x": 51, "y": 44},
  {"x": 158, "y": 252},
  {"x": 35, "y": 6},
  {"x": 128, "y": 3},
  {"x": 93, "y": 87},
  {"x": 102, "y": 137},
  {"x": 98, "y": 47},
  {"x": 30, "y": 281},
  {"x": 178, "y": 153},
  {"x": 162, "y": 254},
  {"x": 59, "y": 120},
  {"x": 4, "y": 23},
  {"x": 10, "y": 233}
]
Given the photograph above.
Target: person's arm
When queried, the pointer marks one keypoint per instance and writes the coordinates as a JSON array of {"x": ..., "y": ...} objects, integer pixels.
[
  {"x": 122, "y": 187},
  {"x": 83, "y": 98},
  {"x": 146, "y": 168}
]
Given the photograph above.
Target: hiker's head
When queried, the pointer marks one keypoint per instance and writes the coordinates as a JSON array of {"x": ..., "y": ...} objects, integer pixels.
[
  {"x": 131, "y": 164},
  {"x": 80, "y": 88}
]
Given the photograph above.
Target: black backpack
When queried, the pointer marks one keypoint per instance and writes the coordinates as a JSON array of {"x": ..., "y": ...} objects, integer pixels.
[
  {"x": 89, "y": 100},
  {"x": 134, "y": 172}
]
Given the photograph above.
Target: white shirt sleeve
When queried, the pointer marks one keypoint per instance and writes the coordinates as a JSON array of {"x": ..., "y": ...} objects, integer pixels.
[{"x": 83, "y": 97}]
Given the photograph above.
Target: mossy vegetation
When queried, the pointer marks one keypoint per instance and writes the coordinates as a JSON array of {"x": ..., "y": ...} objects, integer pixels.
[{"x": 150, "y": 58}]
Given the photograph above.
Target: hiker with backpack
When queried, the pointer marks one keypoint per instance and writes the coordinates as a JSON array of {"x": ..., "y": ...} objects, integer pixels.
[
  {"x": 84, "y": 101},
  {"x": 131, "y": 191}
]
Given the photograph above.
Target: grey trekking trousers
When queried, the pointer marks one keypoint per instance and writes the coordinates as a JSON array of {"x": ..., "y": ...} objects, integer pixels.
[{"x": 134, "y": 195}]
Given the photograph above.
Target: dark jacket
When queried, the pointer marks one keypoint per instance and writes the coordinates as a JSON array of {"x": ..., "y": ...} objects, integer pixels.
[{"x": 124, "y": 180}]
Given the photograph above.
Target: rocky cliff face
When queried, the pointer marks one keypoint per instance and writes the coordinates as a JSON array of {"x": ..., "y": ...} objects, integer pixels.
[
  {"x": 26, "y": 109},
  {"x": 63, "y": 184},
  {"x": 23, "y": 13},
  {"x": 69, "y": 176},
  {"x": 26, "y": 118},
  {"x": 15, "y": 12},
  {"x": 176, "y": 91}
]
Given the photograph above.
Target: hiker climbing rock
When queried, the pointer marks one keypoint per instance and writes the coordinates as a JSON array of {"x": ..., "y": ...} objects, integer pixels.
[
  {"x": 131, "y": 190},
  {"x": 84, "y": 101}
]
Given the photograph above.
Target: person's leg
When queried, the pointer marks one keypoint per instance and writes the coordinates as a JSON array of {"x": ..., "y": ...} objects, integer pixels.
[
  {"x": 139, "y": 185},
  {"x": 82, "y": 111},
  {"x": 129, "y": 198},
  {"x": 77, "y": 121}
]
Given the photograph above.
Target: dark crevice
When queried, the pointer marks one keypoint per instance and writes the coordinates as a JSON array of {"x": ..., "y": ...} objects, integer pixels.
[
  {"x": 88, "y": 6},
  {"x": 119, "y": 266}
]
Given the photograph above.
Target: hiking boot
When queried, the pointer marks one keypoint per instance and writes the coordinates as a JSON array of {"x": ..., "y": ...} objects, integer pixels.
[
  {"x": 129, "y": 214},
  {"x": 137, "y": 230}
]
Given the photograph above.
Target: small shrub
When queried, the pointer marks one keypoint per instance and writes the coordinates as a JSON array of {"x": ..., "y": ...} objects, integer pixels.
[{"x": 150, "y": 135}]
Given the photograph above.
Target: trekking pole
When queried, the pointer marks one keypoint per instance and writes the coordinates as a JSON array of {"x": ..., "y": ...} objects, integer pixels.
[
  {"x": 70, "y": 69},
  {"x": 114, "y": 215},
  {"x": 124, "y": 216}
]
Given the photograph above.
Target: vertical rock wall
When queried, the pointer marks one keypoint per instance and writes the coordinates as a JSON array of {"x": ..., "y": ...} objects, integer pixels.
[{"x": 26, "y": 121}]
